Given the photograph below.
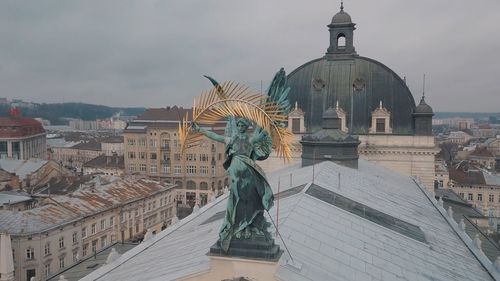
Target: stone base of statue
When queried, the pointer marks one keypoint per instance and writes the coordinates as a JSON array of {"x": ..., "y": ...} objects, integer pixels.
[{"x": 256, "y": 247}]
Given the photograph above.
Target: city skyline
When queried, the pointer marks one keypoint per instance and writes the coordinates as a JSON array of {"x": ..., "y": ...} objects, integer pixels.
[{"x": 154, "y": 54}]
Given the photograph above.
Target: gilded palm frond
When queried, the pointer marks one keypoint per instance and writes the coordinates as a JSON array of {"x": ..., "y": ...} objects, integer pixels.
[{"x": 239, "y": 101}]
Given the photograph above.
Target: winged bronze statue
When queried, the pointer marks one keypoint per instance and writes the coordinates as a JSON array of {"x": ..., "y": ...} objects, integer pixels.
[{"x": 250, "y": 193}]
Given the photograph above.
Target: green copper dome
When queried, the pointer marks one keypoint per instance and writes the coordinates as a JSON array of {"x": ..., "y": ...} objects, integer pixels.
[{"x": 358, "y": 83}]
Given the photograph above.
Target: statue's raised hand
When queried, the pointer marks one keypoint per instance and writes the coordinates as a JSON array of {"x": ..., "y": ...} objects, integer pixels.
[{"x": 195, "y": 127}]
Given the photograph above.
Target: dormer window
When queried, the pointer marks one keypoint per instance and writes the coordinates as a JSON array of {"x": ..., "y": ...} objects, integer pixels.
[
  {"x": 296, "y": 120},
  {"x": 343, "y": 117},
  {"x": 381, "y": 120}
]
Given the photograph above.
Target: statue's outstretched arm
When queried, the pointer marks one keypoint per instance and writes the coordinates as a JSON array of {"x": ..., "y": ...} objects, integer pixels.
[{"x": 211, "y": 135}]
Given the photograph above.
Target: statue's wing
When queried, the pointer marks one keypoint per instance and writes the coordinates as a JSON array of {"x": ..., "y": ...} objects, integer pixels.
[
  {"x": 230, "y": 129},
  {"x": 278, "y": 92},
  {"x": 262, "y": 143}
]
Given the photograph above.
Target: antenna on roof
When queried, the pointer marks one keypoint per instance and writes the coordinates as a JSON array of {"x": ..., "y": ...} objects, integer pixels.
[{"x": 423, "y": 87}]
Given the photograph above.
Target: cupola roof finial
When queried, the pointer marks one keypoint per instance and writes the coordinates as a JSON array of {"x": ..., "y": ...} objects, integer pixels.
[{"x": 342, "y": 5}]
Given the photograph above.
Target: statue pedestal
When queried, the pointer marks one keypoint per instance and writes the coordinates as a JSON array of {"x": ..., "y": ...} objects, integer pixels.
[{"x": 253, "y": 248}]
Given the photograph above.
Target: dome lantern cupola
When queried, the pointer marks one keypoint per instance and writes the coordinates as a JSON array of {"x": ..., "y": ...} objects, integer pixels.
[
  {"x": 423, "y": 118},
  {"x": 341, "y": 35}
]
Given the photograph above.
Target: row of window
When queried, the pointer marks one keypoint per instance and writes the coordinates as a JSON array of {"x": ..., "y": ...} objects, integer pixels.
[
  {"x": 103, "y": 242},
  {"x": 479, "y": 197},
  {"x": 30, "y": 254},
  {"x": 93, "y": 227},
  {"x": 165, "y": 143},
  {"x": 177, "y": 156},
  {"x": 147, "y": 207},
  {"x": 165, "y": 169},
  {"x": 61, "y": 244}
]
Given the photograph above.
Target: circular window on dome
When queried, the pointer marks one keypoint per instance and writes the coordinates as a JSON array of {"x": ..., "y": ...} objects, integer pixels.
[
  {"x": 358, "y": 84},
  {"x": 318, "y": 84}
]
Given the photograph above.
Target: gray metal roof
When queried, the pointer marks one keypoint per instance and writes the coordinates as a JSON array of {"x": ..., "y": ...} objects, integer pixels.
[
  {"x": 492, "y": 179},
  {"x": 91, "y": 263},
  {"x": 326, "y": 242},
  {"x": 22, "y": 167},
  {"x": 9, "y": 197}
]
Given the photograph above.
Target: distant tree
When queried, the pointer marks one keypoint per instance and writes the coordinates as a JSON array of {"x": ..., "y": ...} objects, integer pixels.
[{"x": 57, "y": 112}]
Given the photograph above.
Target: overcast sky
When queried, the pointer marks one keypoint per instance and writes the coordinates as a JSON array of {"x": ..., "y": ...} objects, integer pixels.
[{"x": 154, "y": 53}]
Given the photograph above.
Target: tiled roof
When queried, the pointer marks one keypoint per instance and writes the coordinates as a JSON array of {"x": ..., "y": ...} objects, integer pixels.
[
  {"x": 326, "y": 242},
  {"x": 481, "y": 152},
  {"x": 89, "y": 199},
  {"x": 88, "y": 145},
  {"x": 12, "y": 127},
  {"x": 461, "y": 176},
  {"x": 64, "y": 185},
  {"x": 104, "y": 161},
  {"x": 4, "y": 175}
]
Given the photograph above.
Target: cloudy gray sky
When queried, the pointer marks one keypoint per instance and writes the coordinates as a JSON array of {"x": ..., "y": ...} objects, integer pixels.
[{"x": 154, "y": 53}]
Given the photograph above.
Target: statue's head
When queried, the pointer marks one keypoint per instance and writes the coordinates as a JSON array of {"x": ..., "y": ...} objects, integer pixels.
[{"x": 242, "y": 124}]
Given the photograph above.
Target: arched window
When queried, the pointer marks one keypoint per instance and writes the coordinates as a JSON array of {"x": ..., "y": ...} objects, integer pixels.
[
  {"x": 226, "y": 182},
  {"x": 179, "y": 184},
  {"x": 191, "y": 185},
  {"x": 203, "y": 185},
  {"x": 341, "y": 41}
]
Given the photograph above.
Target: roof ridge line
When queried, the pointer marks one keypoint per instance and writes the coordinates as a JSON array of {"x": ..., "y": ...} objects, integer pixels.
[{"x": 471, "y": 244}]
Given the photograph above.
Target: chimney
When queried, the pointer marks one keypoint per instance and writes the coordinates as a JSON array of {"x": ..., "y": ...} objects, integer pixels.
[{"x": 330, "y": 144}]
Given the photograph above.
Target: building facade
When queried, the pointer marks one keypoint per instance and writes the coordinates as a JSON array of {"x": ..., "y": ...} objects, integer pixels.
[
  {"x": 112, "y": 145},
  {"x": 493, "y": 145},
  {"x": 152, "y": 148},
  {"x": 459, "y": 137},
  {"x": 66, "y": 228},
  {"x": 478, "y": 188},
  {"x": 75, "y": 156}
]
